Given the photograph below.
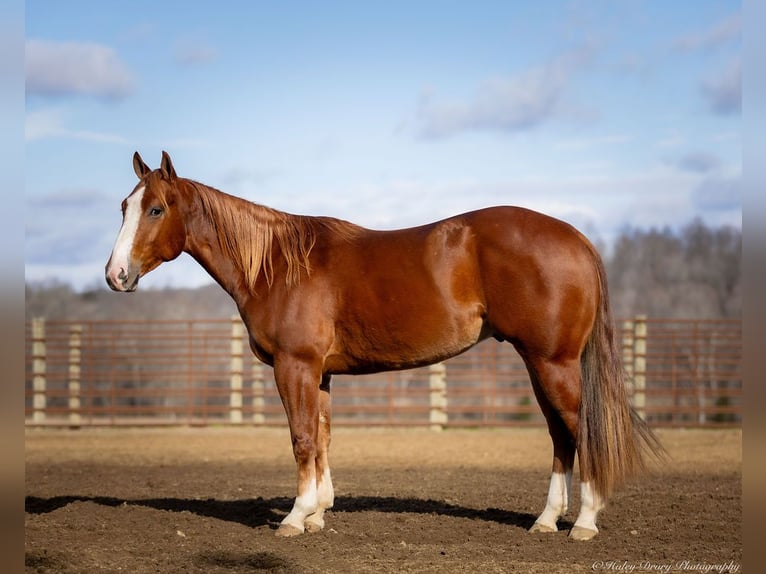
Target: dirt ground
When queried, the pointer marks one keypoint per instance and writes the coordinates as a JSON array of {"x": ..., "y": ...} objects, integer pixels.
[{"x": 209, "y": 500}]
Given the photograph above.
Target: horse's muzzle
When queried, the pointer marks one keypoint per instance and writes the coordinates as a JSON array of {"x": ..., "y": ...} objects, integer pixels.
[{"x": 120, "y": 280}]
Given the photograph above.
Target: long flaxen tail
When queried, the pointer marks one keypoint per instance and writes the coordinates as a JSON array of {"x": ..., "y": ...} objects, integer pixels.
[{"x": 613, "y": 439}]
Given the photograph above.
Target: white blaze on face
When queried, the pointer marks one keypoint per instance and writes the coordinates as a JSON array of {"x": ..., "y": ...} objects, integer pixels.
[{"x": 120, "y": 259}]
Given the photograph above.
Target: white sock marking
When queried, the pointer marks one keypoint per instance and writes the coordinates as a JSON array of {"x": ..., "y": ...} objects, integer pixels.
[
  {"x": 558, "y": 499},
  {"x": 325, "y": 493},
  {"x": 590, "y": 504},
  {"x": 305, "y": 504}
]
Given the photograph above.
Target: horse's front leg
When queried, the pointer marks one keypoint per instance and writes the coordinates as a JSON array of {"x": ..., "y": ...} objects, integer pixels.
[
  {"x": 298, "y": 384},
  {"x": 325, "y": 494}
]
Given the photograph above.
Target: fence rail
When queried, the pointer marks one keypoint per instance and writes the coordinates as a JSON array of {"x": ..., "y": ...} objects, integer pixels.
[{"x": 88, "y": 373}]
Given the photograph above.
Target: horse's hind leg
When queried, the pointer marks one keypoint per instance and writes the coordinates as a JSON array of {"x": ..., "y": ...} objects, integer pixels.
[
  {"x": 325, "y": 493},
  {"x": 557, "y": 388}
]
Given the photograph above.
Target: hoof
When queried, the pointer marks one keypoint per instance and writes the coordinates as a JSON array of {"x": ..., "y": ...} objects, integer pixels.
[
  {"x": 580, "y": 533},
  {"x": 288, "y": 531},
  {"x": 314, "y": 524},
  {"x": 538, "y": 527}
]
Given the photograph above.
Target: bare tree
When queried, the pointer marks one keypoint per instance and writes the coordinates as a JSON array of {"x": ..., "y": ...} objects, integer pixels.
[{"x": 695, "y": 273}]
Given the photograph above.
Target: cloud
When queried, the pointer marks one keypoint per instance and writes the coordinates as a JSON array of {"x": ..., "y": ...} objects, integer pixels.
[
  {"x": 193, "y": 53},
  {"x": 604, "y": 203},
  {"x": 92, "y": 221},
  {"x": 699, "y": 162},
  {"x": 81, "y": 244},
  {"x": 722, "y": 32},
  {"x": 71, "y": 199},
  {"x": 138, "y": 33},
  {"x": 718, "y": 194},
  {"x": 584, "y": 143},
  {"x": 49, "y": 124},
  {"x": 510, "y": 104},
  {"x": 723, "y": 90},
  {"x": 672, "y": 139},
  {"x": 56, "y": 69},
  {"x": 244, "y": 178}
]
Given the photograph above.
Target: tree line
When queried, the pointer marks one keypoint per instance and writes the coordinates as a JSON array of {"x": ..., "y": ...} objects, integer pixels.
[
  {"x": 695, "y": 273},
  {"x": 692, "y": 273}
]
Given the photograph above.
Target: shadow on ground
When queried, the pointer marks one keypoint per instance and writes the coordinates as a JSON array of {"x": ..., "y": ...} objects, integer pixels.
[{"x": 270, "y": 511}]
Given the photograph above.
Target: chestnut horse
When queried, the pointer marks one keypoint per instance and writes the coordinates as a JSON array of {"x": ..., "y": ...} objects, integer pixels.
[{"x": 321, "y": 296}]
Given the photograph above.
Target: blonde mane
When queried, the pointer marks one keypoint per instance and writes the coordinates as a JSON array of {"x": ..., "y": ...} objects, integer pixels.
[{"x": 247, "y": 234}]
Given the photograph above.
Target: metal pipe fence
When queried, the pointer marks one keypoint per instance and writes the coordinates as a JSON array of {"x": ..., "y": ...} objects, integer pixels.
[{"x": 201, "y": 372}]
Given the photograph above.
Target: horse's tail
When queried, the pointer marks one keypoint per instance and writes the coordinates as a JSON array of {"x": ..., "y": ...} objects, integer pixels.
[{"x": 612, "y": 436}]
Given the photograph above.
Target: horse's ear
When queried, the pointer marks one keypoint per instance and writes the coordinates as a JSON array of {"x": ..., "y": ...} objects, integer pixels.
[
  {"x": 139, "y": 166},
  {"x": 166, "y": 166}
]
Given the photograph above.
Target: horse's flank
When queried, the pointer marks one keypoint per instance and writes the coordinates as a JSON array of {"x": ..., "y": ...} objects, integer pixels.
[{"x": 248, "y": 234}]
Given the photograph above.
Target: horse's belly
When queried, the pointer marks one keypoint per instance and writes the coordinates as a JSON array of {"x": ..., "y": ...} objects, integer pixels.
[{"x": 397, "y": 345}]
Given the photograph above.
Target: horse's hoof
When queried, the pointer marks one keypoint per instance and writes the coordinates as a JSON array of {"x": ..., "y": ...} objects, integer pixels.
[
  {"x": 580, "y": 533},
  {"x": 537, "y": 527},
  {"x": 313, "y": 524},
  {"x": 288, "y": 531}
]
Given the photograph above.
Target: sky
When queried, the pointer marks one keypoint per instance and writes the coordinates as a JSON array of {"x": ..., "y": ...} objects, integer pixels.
[{"x": 609, "y": 114}]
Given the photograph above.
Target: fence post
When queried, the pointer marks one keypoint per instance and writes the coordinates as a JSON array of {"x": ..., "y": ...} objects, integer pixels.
[
  {"x": 75, "y": 357},
  {"x": 697, "y": 378},
  {"x": 639, "y": 365},
  {"x": 235, "y": 394},
  {"x": 38, "y": 369},
  {"x": 437, "y": 383},
  {"x": 259, "y": 388},
  {"x": 628, "y": 327}
]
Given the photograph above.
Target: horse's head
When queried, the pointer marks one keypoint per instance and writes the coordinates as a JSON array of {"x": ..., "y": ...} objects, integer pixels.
[{"x": 153, "y": 228}]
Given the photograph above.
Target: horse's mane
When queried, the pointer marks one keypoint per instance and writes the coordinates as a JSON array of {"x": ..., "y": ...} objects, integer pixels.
[{"x": 247, "y": 233}]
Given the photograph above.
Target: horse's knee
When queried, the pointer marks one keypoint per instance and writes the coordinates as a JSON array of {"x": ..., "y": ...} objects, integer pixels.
[{"x": 304, "y": 447}]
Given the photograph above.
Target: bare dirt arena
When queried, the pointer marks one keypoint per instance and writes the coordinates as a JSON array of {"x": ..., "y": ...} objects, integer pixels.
[{"x": 209, "y": 500}]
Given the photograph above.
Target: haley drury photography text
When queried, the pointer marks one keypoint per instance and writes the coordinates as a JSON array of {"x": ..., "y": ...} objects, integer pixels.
[{"x": 730, "y": 567}]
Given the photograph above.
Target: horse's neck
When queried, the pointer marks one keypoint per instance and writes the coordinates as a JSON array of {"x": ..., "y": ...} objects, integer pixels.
[{"x": 203, "y": 244}]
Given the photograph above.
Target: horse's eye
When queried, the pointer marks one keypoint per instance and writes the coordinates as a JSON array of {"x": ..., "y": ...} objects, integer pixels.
[{"x": 155, "y": 211}]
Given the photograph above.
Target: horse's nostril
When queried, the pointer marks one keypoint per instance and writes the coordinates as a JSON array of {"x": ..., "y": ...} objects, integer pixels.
[{"x": 122, "y": 276}]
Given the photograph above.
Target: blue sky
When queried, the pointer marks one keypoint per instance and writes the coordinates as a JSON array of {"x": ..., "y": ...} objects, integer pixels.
[{"x": 605, "y": 114}]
